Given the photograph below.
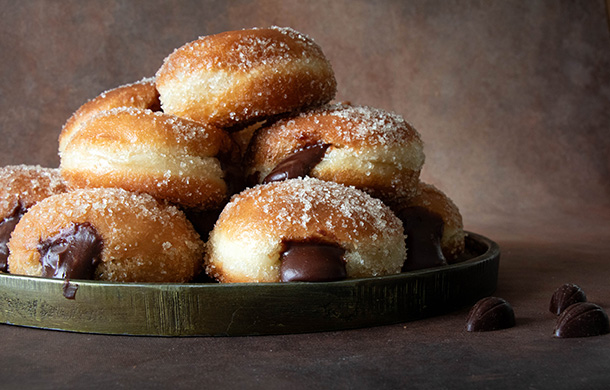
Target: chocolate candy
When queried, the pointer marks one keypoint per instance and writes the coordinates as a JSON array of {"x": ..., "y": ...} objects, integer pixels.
[
  {"x": 491, "y": 313},
  {"x": 582, "y": 319},
  {"x": 424, "y": 230},
  {"x": 298, "y": 164},
  {"x": 564, "y": 296},
  {"x": 312, "y": 262},
  {"x": 73, "y": 253},
  {"x": 7, "y": 225}
]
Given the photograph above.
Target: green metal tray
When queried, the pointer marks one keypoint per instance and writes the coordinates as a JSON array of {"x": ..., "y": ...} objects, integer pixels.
[{"x": 210, "y": 309}]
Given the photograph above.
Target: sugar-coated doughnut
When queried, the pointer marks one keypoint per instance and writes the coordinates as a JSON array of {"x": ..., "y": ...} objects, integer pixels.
[
  {"x": 240, "y": 77},
  {"x": 21, "y": 187},
  {"x": 168, "y": 157},
  {"x": 142, "y": 94},
  {"x": 105, "y": 234},
  {"x": 304, "y": 230},
  {"x": 369, "y": 148},
  {"x": 434, "y": 228},
  {"x": 242, "y": 137}
]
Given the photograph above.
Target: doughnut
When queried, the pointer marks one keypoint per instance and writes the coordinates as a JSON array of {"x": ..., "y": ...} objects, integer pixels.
[
  {"x": 368, "y": 148},
  {"x": 240, "y": 77},
  {"x": 171, "y": 158},
  {"x": 22, "y": 186},
  {"x": 105, "y": 234},
  {"x": 434, "y": 229},
  {"x": 242, "y": 137},
  {"x": 304, "y": 229},
  {"x": 142, "y": 94}
]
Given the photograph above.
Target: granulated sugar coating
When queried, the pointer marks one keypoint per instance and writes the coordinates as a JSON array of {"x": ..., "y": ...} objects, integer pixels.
[
  {"x": 373, "y": 125},
  {"x": 246, "y": 242},
  {"x": 142, "y": 94},
  {"x": 183, "y": 130},
  {"x": 144, "y": 80},
  {"x": 241, "y": 50},
  {"x": 374, "y": 150},
  {"x": 149, "y": 151},
  {"x": 143, "y": 239},
  {"x": 298, "y": 204},
  {"x": 24, "y": 185},
  {"x": 239, "y": 77}
]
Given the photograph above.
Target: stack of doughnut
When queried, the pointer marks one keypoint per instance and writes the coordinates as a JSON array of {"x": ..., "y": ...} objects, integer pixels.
[{"x": 232, "y": 164}]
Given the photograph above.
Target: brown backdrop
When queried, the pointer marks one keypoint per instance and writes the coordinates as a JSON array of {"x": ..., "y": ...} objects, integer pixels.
[{"x": 512, "y": 99}]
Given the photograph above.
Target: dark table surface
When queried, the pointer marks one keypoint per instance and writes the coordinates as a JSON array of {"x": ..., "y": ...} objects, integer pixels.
[
  {"x": 432, "y": 353},
  {"x": 512, "y": 100}
]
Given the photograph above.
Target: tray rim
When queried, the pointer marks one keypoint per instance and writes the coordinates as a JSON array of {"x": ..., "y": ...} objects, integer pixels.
[
  {"x": 488, "y": 259},
  {"x": 493, "y": 248}
]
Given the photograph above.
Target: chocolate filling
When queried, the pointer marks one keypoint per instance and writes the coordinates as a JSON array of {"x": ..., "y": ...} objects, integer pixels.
[
  {"x": 69, "y": 289},
  {"x": 298, "y": 164},
  {"x": 312, "y": 262},
  {"x": 73, "y": 253},
  {"x": 7, "y": 225},
  {"x": 424, "y": 230}
]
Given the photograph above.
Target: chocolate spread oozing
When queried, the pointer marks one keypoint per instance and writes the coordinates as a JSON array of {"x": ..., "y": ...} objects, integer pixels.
[
  {"x": 7, "y": 225},
  {"x": 71, "y": 254},
  {"x": 424, "y": 230},
  {"x": 298, "y": 164},
  {"x": 69, "y": 289},
  {"x": 312, "y": 262}
]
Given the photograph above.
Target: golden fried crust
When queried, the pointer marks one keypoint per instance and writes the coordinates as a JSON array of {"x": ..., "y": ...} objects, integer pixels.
[
  {"x": 244, "y": 76},
  {"x": 22, "y": 186},
  {"x": 168, "y": 157},
  {"x": 436, "y": 201},
  {"x": 246, "y": 242},
  {"x": 142, "y": 94},
  {"x": 371, "y": 149},
  {"x": 143, "y": 240}
]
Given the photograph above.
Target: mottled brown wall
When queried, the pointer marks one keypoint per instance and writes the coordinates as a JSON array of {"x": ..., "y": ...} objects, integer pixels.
[{"x": 512, "y": 98}]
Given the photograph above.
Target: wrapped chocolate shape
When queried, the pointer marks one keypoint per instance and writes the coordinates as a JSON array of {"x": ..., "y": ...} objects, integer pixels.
[
  {"x": 566, "y": 295},
  {"x": 582, "y": 319},
  {"x": 491, "y": 313}
]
